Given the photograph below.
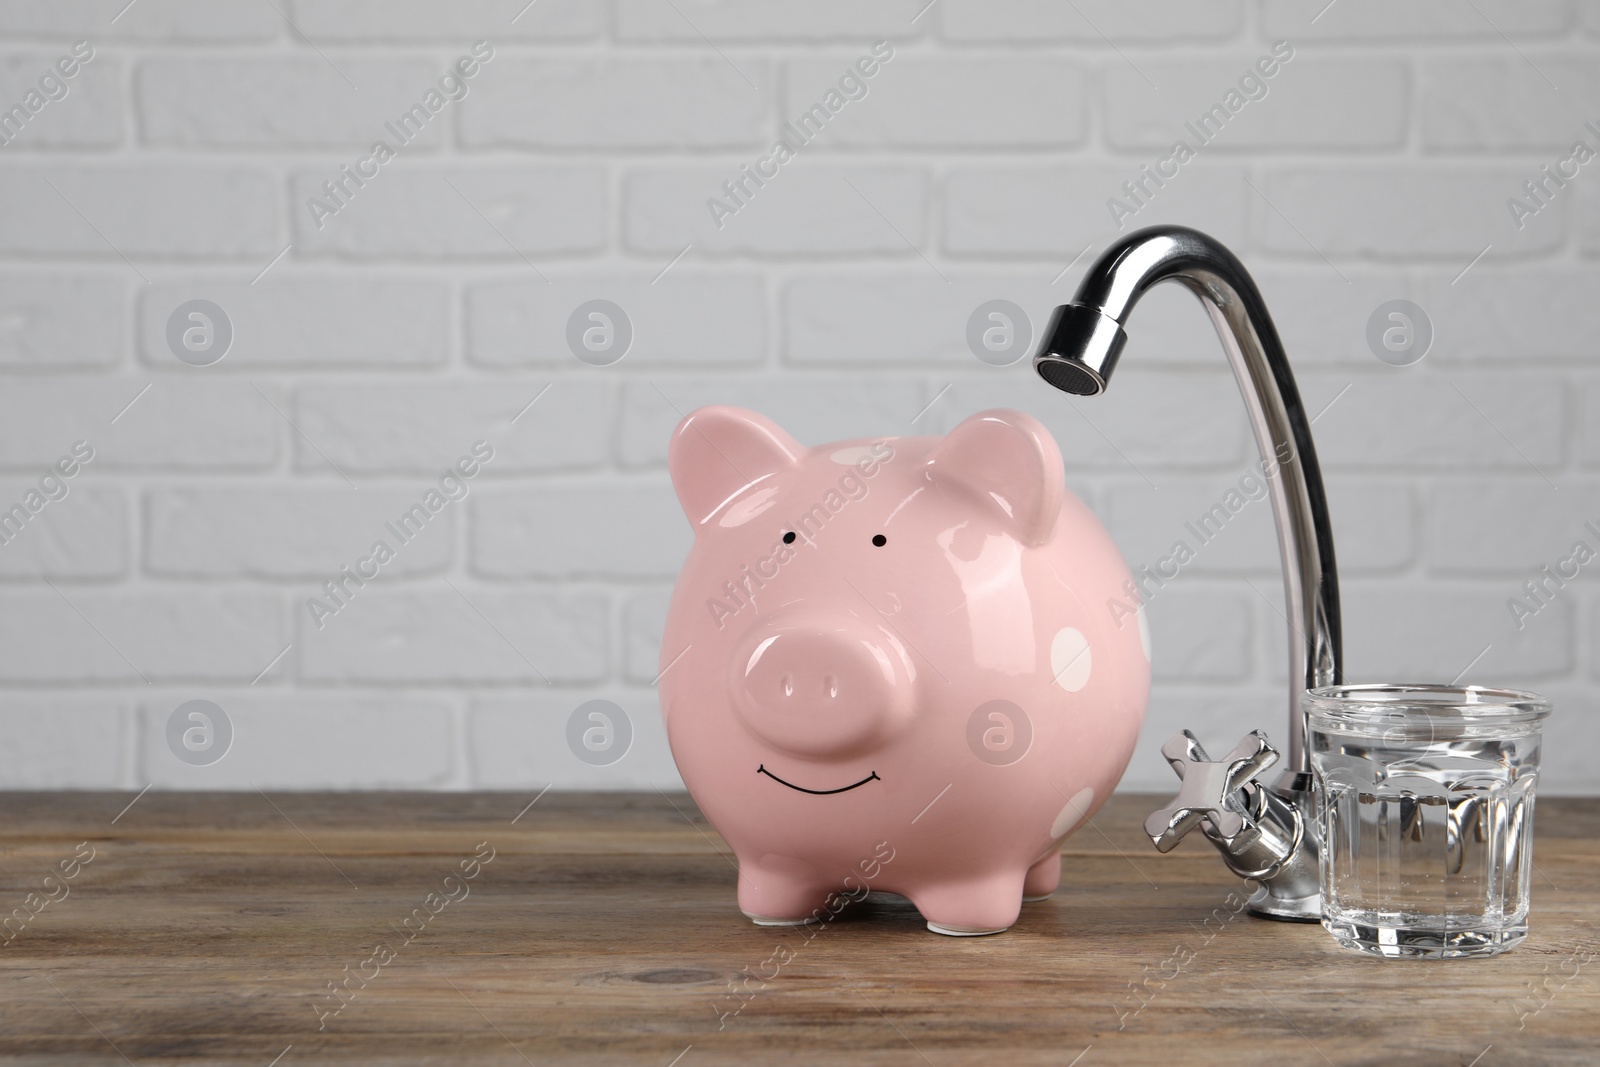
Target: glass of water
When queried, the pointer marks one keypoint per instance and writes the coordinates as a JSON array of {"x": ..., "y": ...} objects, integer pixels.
[{"x": 1425, "y": 794}]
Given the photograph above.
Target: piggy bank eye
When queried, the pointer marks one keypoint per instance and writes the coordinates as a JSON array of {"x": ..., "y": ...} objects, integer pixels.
[
  {"x": 879, "y": 540},
  {"x": 788, "y": 538}
]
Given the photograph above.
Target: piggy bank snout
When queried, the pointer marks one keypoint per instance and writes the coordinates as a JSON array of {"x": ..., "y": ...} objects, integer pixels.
[{"x": 822, "y": 686}]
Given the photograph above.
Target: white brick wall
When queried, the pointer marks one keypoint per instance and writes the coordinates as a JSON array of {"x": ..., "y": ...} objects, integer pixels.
[
  {"x": 685, "y": 318},
  {"x": 696, "y": 104},
  {"x": 1308, "y": 104},
  {"x": 275, "y": 103},
  {"x": 430, "y": 311}
]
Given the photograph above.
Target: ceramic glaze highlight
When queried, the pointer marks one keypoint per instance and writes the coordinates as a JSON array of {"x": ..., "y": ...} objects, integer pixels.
[{"x": 900, "y": 647}]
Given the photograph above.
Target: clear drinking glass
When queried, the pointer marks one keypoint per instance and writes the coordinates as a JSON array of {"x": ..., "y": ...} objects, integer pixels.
[{"x": 1425, "y": 793}]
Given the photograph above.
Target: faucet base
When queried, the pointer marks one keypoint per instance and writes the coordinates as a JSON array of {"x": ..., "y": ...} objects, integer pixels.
[
  {"x": 1264, "y": 904},
  {"x": 1293, "y": 893}
]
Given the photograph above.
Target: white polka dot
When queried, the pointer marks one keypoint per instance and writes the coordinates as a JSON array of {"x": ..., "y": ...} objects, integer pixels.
[
  {"x": 849, "y": 457},
  {"x": 1144, "y": 634},
  {"x": 1070, "y": 659},
  {"x": 1073, "y": 813}
]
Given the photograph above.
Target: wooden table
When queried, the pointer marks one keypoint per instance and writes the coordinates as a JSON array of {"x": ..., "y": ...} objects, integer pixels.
[{"x": 206, "y": 928}]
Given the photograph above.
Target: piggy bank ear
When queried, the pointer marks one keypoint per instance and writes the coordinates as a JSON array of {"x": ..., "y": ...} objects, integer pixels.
[
  {"x": 718, "y": 452},
  {"x": 1009, "y": 463}
]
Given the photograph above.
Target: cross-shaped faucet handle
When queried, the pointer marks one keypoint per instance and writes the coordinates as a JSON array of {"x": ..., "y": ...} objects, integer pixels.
[{"x": 1209, "y": 790}]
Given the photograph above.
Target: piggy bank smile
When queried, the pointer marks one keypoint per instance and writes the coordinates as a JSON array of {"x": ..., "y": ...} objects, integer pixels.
[
  {"x": 915, "y": 627},
  {"x": 873, "y": 777}
]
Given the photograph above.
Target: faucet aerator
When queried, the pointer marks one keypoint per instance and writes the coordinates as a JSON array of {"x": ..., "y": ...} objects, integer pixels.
[{"x": 1080, "y": 349}]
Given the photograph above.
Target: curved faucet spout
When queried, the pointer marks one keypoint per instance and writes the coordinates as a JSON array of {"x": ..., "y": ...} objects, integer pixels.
[{"x": 1079, "y": 351}]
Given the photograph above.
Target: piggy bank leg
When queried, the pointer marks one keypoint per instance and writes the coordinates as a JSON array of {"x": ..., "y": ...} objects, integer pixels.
[
  {"x": 1043, "y": 878},
  {"x": 984, "y": 905},
  {"x": 772, "y": 897}
]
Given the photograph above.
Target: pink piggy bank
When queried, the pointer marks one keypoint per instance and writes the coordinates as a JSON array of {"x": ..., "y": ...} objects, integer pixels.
[{"x": 902, "y": 664}]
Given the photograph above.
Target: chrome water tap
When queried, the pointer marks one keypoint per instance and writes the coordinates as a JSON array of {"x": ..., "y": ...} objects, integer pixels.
[{"x": 1264, "y": 833}]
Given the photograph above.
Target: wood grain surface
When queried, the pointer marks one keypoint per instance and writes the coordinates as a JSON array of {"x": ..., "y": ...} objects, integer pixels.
[{"x": 206, "y": 928}]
